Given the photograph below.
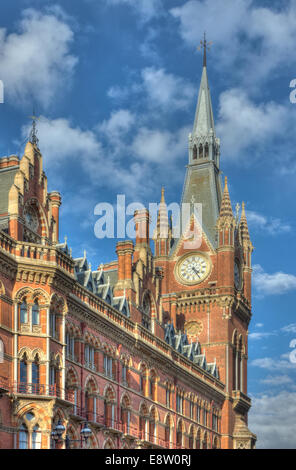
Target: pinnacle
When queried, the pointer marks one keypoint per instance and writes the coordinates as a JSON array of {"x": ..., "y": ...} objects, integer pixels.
[
  {"x": 244, "y": 224},
  {"x": 226, "y": 210}
]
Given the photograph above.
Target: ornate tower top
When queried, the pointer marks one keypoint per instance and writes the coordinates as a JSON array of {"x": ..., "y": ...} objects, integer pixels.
[{"x": 33, "y": 133}]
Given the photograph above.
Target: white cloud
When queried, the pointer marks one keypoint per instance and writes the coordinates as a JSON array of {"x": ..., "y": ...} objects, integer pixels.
[
  {"x": 270, "y": 225},
  {"x": 289, "y": 328},
  {"x": 118, "y": 125},
  {"x": 147, "y": 9},
  {"x": 260, "y": 335},
  {"x": 234, "y": 37},
  {"x": 259, "y": 325},
  {"x": 272, "y": 418},
  {"x": 277, "y": 380},
  {"x": 35, "y": 61},
  {"x": 272, "y": 284},
  {"x": 242, "y": 123},
  {"x": 159, "y": 146},
  {"x": 166, "y": 90},
  {"x": 274, "y": 364}
]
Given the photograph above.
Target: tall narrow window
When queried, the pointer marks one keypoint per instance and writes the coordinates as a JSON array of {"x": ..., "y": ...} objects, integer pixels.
[
  {"x": 35, "y": 375},
  {"x": 24, "y": 312},
  {"x": 36, "y": 438},
  {"x": 23, "y": 437},
  {"x": 194, "y": 152},
  {"x": 35, "y": 313},
  {"x": 200, "y": 151},
  {"x": 23, "y": 373},
  {"x": 207, "y": 150}
]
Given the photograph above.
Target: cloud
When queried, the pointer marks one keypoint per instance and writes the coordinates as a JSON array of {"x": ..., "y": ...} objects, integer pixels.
[
  {"x": 242, "y": 123},
  {"x": 154, "y": 145},
  {"x": 259, "y": 325},
  {"x": 35, "y": 61},
  {"x": 271, "y": 30},
  {"x": 272, "y": 364},
  {"x": 289, "y": 328},
  {"x": 146, "y": 9},
  {"x": 272, "y": 284},
  {"x": 272, "y": 418},
  {"x": 277, "y": 380},
  {"x": 264, "y": 224},
  {"x": 160, "y": 89},
  {"x": 118, "y": 125},
  {"x": 166, "y": 90},
  {"x": 260, "y": 335}
]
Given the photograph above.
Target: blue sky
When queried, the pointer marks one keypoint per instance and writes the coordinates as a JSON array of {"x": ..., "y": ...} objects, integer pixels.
[{"x": 115, "y": 84}]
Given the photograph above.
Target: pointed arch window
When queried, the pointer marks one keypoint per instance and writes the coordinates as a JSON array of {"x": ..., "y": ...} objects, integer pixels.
[
  {"x": 36, "y": 438},
  {"x": 23, "y": 437},
  {"x": 35, "y": 313},
  {"x": 24, "y": 312},
  {"x": 23, "y": 373},
  {"x": 194, "y": 153},
  {"x": 200, "y": 151},
  {"x": 36, "y": 374},
  {"x": 207, "y": 150}
]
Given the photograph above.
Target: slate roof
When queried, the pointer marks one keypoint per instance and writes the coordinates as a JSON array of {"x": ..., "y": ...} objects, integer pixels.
[{"x": 179, "y": 341}]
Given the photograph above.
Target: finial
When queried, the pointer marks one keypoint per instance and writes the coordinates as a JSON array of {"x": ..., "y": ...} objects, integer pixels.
[
  {"x": 33, "y": 133},
  {"x": 204, "y": 45},
  {"x": 226, "y": 180},
  {"x": 162, "y": 195},
  {"x": 84, "y": 253},
  {"x": 65, "y": 239}
]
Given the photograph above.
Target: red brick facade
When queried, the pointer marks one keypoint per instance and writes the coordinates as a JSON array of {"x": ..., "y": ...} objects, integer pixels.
[{"x": 147, "y": 358}]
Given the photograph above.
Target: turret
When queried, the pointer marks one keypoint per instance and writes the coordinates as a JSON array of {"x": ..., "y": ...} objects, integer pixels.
[
  {"x": 248, "y": 248},
  {"x": 163, "y": 232}
]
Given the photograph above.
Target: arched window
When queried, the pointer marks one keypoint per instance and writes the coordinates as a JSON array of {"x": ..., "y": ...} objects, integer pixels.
[
  {"x": 207, "y": 150},
  {"x": 24, "y": 312},
  {"x": 109, "y": 408},
  {"x": 152, "y": 385},
  {"x": 168, "y": 432},
  {"x": 125, "y": 415},
  {"x": 23, "y": 373},
  {"x": 194, "y": 153},
  {"x": 144, "y": 423},
  {"x": 191, "y": 439},
  {"x": 1, "y": 351},
  {"x": 36, "y": 438},
  {"x": 35, "y": 375},
  {"x": 197, "y": 442},
  {"x": 23, "y": 437},
  {"x": 152, "y": 426},
  {"x": 179, "y": 435},
  {"x": 200, "y": 151},
  {"x": 143, "y": 379},
  {"x": 35, "y": 313}
]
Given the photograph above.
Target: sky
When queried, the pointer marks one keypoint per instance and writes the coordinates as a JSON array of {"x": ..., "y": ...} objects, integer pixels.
[{"x": 114, "y": 84}]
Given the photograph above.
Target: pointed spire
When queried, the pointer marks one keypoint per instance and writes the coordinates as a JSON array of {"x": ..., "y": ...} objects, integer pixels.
[
  {"x": 226, "y": 209},
  {"x": 204, "y": 119},
  {"x": 162, "y": 195},
  {"x": 162, "y": 217},
  {"x": 33, "y": 133},
  {"x": 244, "y": 224}
]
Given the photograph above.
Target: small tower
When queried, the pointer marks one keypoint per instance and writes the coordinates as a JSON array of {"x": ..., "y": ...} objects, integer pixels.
[
  {"x": 163, "y": 233},
  {"x": 225, "y": 228},
  {"x": 248, "y": 248}
]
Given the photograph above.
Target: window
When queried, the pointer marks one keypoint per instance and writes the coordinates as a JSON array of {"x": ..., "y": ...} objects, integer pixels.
[
  {"x": 1, "y": 351},
  {"x": 52, "y": 375},
  {"x": 23, "y": 437},
  {"x": 53, "y": 326},
  {"x": 124, "y": 374},
  {"x": 194, "y": 153},
  {"x": 24, "y": 312},
  {"x": 23, "y": 370},
  {"x": 191, "y": 409},
  {"x": 168, "y": 398},
  {"x": 197, "y": 413},
  {"x": 215, "y": 423},
  {"x": 35, "y": 373},
  {"x": 108, "y": 366},
  {"x": 36, "y": 438},
  {"x": 179, "y": 403},
  {"x": 205, "y": 416},
  {"x": 70, "y": 343},
  {"x": 35, "y": 314}
]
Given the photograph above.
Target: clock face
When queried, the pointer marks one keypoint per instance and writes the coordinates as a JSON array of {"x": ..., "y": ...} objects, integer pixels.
[
  {"x": 193, "y": 269},
  {"x": 31, "y": 218},
  {"x": 237, "y": 276}
]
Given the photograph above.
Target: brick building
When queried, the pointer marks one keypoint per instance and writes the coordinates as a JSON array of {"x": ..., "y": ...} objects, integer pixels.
[{"x": 151, "y": 349}]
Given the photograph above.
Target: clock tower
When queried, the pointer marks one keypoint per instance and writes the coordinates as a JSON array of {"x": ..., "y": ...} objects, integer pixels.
[{"x": 206, "y": 290}]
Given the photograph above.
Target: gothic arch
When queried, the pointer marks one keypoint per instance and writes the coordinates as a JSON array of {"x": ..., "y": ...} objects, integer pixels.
[{"x": 108, "y": 444}]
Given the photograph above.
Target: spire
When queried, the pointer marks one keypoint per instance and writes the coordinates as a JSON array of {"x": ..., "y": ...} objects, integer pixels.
[
  {"x": 162, "y": 218},
  {"x": 226, "y": 209},
  {"x": 204, "y": 120},
  {"x": 244, "y": 225},
  {"x": 33, "y": 133}
]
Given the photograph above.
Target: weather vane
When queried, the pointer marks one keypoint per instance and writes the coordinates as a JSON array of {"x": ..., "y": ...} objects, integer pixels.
[
  {"x": 205, "y": 45},
  {"x": 33, "y": 133}
]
